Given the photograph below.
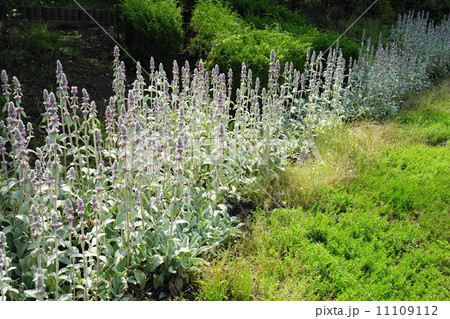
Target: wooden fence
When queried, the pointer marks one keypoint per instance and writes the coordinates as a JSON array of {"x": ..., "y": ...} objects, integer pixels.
[{"x": 62, "y": 16}]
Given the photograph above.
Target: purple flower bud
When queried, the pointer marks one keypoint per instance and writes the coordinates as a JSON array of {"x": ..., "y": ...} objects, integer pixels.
[
  {"x": 243, "y": 71},
  {"x": 201, "y": 66},
  {"x": 55, "y": 223},
  {"x": 30, "y": 128},
  {"x": 5, "y": 85},
  {"x": 52, "y": 99},
  {"x": 63, "y": 84},
  {"x": 99, "y": 140},
  {"x": 35, "y": 220},
  {"x": 16, "y": 138},
  {"x": 71, "y": 174},
  {"x": 68, "y": 208},
  {"x": 74, "y": 91},
  {"x": 59, "y": 69},
  {"x": 85, "y": 96},
  {"x": 115, "y": 169},
  {"x": 45, "y": 95},
  {"x": 95, "y": 205},
  {"x": 257, "y": 84},
  {"x": 123, "y": 134},
  {"x": 152, "y": 65},
  {"x": 93, "y": 110},
  {"x": 17, "y": 85},
  {"x": 116, "y": 53},
  {"x": 80, "y": 207}
]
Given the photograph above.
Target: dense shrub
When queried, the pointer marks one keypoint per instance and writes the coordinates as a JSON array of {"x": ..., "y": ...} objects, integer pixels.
[
  {"x": 152, "y": 28},
  {"x": 254, "y": 46},
  {"x": 211, "y": 20},
  {"x": 224, "y": 39}
]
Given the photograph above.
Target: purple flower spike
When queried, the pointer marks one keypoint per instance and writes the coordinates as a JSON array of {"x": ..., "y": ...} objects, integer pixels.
[
  {"x": 64, "y": 85},
  {"x": 4, "y": 77},
  {"x": 80, "y": 207},
  {"x": 152, "y": 65},
  {"x": 68, "y": 208},
  {"x": 59, "y": 69},
  {"x": 55, "y": 224},
  {"x": 35, "y": 224},
  {"x": 116, "y": 53},
  {"x": 17, "y": 85},
  {"x": 95, "y": 205},
  {"x": 3, "y": 243},
  {"x": 71, "y": 174},
  {"x": 85, "y": 96},
  {"x": 74, "y": 91},
  {"x": 99, "y": 140},
  {"x": 29, "y": 129}
]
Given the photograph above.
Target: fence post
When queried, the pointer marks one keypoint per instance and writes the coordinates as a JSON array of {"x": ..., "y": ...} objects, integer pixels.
[
  {"x": 54, "y": 14},
  {"x": 46, "y": 15},
  {"x": 38, "y": 13},
  {"x": 75, "y": 15},
  {"x": 30, "y": 13}
]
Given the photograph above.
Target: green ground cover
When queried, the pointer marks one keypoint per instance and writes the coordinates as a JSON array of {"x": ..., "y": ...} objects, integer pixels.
[{"x": 372, "y": 220}]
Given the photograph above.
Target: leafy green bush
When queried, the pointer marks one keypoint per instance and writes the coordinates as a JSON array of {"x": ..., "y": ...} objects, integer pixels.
[
  {"x": 226, "y": 40},
  {"x": 152, "y": 28},
  {"x": 211, "y": 20},
  {"x": 254, "y": 46},
  {"x": 261, "y": 8}
]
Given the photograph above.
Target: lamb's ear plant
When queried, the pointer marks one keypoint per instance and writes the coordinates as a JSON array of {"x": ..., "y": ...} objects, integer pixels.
[
  {"x": 142, "y": 202},
  {"x": 5, "y": 270}
]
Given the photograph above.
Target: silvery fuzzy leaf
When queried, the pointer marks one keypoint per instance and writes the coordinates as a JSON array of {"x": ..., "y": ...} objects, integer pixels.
[
  {"x": 183, "y": 250},
  {"x": 140, "y": 277},
  {"x": 155, "y": 261},
  {"x": 120, "y": 219},
  {"x": 66, "y": 297}
]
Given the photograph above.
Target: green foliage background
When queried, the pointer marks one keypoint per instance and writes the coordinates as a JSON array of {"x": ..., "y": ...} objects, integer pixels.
[{"x": 152, "y": 28}]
